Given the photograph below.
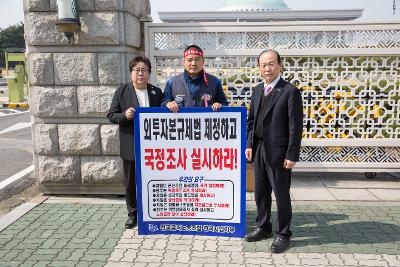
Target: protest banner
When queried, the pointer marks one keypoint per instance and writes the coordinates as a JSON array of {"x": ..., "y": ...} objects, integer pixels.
[{"x": 190, "y": 171}]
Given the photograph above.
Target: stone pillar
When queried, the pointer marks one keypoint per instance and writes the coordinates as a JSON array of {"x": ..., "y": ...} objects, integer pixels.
[{"x": 76, "y": 150}]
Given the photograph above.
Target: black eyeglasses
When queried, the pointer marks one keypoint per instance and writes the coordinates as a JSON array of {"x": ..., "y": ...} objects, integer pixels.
[{"x": 137, "y": 70}]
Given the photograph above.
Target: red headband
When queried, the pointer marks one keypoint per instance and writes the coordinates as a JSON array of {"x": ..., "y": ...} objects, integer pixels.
[{"x": 192, "y": 51}]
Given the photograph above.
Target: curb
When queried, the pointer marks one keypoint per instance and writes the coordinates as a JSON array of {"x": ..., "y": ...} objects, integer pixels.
[
  {"x": 16, "y": 105},
  {"x": 17, "y": 184},
  {"x": 15, "y": 214}
]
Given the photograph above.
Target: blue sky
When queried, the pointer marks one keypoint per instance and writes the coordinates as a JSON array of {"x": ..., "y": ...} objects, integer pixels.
[{"x": 11, "y": 11}]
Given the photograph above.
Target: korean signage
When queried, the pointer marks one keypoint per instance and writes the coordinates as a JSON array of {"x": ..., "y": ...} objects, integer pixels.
[{"x": 191, "y": 171}]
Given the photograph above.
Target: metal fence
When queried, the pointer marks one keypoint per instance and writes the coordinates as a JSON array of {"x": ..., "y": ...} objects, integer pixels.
[{"x": 348, "y": 73}]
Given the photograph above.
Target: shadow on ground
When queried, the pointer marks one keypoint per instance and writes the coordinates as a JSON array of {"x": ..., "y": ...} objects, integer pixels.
[{"x": 348, "y": 231}]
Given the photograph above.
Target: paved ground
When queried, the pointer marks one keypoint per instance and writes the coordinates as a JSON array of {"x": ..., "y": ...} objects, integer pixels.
[
  {"x": 77, "y": 231},
  {"x": 92, "y": 235}
]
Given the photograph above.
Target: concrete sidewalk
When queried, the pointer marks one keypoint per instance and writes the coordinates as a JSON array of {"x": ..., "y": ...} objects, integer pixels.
[{"x": 79, "y": 231}]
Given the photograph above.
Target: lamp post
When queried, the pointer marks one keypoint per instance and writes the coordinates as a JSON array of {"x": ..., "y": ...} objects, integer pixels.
[{"x": 68, "y": 20}]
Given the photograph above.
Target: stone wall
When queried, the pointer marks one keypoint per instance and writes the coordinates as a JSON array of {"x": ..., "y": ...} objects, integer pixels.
[{"x": 71, "y": 86}]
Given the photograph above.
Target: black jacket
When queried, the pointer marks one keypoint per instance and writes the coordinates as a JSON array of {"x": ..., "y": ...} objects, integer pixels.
[
  {"x": 124, "y": 98},
  {"x": 283, "y": 123}
]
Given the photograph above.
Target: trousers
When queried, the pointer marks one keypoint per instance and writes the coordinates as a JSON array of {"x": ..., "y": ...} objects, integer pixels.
[
  {"x": 268, "y": 179},
  {"x": 130, "y": 186}
]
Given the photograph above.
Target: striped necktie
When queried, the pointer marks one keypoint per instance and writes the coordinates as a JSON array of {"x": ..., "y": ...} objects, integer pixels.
[{"x": 267, "y": 90}]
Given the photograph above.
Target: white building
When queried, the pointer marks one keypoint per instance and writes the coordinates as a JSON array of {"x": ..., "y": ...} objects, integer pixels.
[{"x": 259, "y": 11}]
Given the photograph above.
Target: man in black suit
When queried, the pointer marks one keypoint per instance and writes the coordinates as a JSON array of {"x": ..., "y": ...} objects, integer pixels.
[
  {"x": 274, "y": 128},
  {"x": 138, "y": 93}
]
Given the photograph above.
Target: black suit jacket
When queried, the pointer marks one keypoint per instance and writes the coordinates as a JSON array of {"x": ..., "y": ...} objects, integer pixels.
[
  {"x": 283, "y": 123},
  {"x": 124, "y": 98}
]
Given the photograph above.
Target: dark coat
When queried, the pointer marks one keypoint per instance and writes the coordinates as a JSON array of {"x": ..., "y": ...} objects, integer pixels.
[
  {"x": 283, "y": 123},
  {"x": 193, "y": 89},
  {"x": 124, "y": 98}
]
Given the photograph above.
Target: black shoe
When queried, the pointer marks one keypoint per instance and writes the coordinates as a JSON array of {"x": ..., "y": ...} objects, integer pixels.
[
  {"x": 257, "y": 235},
  {"x": 131, "y": 222},
  {"x": 280, "y": 244}
]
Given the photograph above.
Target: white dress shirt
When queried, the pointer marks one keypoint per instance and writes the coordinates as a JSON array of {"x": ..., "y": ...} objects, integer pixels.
[
  {"x": 274, "y": 82},
  {"x": 143, "y": 97}
]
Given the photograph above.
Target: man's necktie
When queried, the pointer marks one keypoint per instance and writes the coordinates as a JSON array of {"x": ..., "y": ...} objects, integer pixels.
[{"x": 267, "y": 90}]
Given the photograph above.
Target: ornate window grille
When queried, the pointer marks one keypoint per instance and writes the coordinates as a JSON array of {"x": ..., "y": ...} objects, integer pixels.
[{"x": 348, "y": 75}]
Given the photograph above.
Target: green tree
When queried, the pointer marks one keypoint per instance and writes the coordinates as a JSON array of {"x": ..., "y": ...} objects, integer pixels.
[{"x": 11, "y": 37}]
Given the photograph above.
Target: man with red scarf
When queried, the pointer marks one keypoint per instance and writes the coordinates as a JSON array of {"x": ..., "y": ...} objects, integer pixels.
[{"x": 194, "y": 87}]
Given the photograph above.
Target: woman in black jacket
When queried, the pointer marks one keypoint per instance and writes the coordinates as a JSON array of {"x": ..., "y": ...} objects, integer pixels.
[{"x": 138, "y": 93}]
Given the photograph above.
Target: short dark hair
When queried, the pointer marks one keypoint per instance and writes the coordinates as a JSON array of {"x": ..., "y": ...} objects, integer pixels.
[
  {"x": 273, "y": 51},
  {"x": 134, "y": 61},
  {"x": 193, "y": 46}
]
